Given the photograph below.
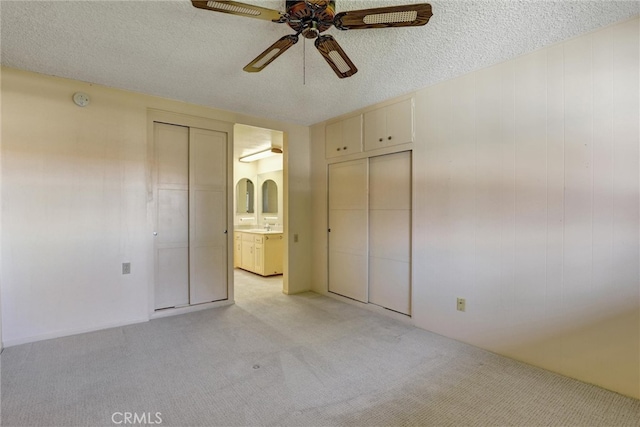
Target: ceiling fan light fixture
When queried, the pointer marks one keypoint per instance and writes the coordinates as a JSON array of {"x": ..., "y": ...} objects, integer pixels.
[
  {"x": 262, "y": 154},
  {"x": 392, "y": 17},
  {"x": 232, "y": 8}
]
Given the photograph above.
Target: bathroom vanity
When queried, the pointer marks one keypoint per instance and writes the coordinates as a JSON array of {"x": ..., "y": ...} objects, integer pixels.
[{"x": 259, "y": 251}]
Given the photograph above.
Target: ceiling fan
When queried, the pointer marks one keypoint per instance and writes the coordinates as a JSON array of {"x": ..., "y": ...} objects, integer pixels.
[{"x": 313, "y": 17}]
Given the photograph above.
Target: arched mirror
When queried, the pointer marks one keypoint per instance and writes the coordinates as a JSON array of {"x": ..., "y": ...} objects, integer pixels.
[
  {"x": 244, "y": 196},
  {"x": 269, "y": 197}
]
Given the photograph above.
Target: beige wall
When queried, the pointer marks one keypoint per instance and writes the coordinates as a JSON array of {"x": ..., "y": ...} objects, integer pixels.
[
  {"x": 527, "y": 194},
  {"x": 527, "y": 185},
  {"x": 74, "y": 197}
]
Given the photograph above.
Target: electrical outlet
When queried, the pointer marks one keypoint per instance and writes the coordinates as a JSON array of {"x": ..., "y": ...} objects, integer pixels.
[
  {"x": 462, "y": 304},
  {"x": 126, "y": 268},
  {"x": 295, "y": 238}
]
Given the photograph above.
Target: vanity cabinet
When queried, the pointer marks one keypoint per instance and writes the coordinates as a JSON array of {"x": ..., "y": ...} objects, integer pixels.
[
  {"x": 247, "y": 258},
  {"x": 259, "y": 252},
  {"x": 343, "y": 137},
  {"x": 389, "y": 125}
]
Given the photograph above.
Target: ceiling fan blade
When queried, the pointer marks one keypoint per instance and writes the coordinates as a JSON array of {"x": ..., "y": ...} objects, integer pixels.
[
  {"x": 411, "y": 15},
  {"x": 335, "y": 56},
  {"x": 237, "y": 8},
  {"x": 275, "y": 50}
]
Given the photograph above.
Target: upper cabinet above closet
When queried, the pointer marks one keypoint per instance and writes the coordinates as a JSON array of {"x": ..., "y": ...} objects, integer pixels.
[
  {"x": 389, "y": 125},
  {"x": 344, "y": 137}
]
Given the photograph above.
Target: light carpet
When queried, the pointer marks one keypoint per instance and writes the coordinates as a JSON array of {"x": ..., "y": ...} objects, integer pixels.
[{"x": 302, "y": 360}]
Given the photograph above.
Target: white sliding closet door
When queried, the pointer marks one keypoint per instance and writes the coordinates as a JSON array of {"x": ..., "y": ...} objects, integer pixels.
[
  {"x": 390, "y": 231},
  {"x": 191, "y": 229},
  {"x": 172, "y": 216},
  {"x": 348, "y": 225},
  {"x": 207, "y": 215}
]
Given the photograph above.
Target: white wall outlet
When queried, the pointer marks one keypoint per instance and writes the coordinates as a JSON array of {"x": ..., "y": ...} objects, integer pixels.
[
  {"x": 126, "y": 268},
  {"x": 461, "y": 304}
]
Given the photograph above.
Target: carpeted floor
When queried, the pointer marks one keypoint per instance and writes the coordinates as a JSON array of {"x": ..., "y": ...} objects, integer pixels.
[{"x": 302, "y": 360}]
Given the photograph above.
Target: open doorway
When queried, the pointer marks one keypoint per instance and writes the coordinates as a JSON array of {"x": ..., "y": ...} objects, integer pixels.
[{"x": 259, "y": 236}]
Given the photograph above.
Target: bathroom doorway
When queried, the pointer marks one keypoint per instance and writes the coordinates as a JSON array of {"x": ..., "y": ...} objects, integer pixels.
[{"x": 259, "y": 235}]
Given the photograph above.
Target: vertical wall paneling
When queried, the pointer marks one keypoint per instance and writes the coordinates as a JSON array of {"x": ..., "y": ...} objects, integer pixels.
[
  {"x": 318, "y": 206},
  {"x": 531, "y": 183},
  {"x": 547, "y": 347},
  {"x": 578, "y": 230},
  {"x": 430, "y": 230},
  {"x": 624, "y": 293},
  {"x": 555, "y": 183},
  {"x": 602, "y": 150},
  {"x": 488, "y": 183},
  {"x": 462, "y": 208},
  {"x": 507, "y": 203},
  {"x": 579, "y": 208},
  {"x": 527, "y": 203}
]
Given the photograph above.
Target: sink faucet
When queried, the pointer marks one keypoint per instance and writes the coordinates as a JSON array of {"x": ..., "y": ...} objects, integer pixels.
[{"x": 267, "y": 226}]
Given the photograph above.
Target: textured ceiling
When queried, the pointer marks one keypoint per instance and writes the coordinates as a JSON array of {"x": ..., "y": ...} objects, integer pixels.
[{"x": 173, "y": 50}]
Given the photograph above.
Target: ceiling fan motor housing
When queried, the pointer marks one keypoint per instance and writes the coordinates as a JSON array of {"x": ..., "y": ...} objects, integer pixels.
[{"x": 310, "y": 17}]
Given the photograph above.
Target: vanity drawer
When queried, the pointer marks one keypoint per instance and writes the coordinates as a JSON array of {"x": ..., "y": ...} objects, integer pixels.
[{"x": 259, "y": 239}]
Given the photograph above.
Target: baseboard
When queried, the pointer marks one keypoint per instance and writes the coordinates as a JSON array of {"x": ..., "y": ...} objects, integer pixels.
[
  {"x": 66, "y": 333},
  {"x": 189, "y": 309}
]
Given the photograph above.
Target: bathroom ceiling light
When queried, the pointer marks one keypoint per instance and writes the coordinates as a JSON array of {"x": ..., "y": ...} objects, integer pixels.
[{"x": 260, "y": 154}]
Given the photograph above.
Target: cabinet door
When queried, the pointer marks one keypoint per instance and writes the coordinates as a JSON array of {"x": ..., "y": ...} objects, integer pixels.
[
  {"x": 258, "y": 265},
  {"x": 375, "y": 129},
  {"x": 333, "y": 140},
  {"x": 348, "y": 225},
  {"x": 343, "y": 137},
  {"x": 248, "y": 260},
  {"x": 273, "y": 249},
  {"x": 390, "y": 125},
  {"x": 237, "y": 249},
  {"x": 400, "y": 123}
]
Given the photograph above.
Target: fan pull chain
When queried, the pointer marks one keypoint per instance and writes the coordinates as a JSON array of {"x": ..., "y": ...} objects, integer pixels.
[{"x": 304, "y": 61}]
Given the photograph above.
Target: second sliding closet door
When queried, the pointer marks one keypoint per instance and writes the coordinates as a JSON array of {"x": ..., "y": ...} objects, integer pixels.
[
  {"x": 390, "y": 231},
  {"x": 207, "y": 216}
]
